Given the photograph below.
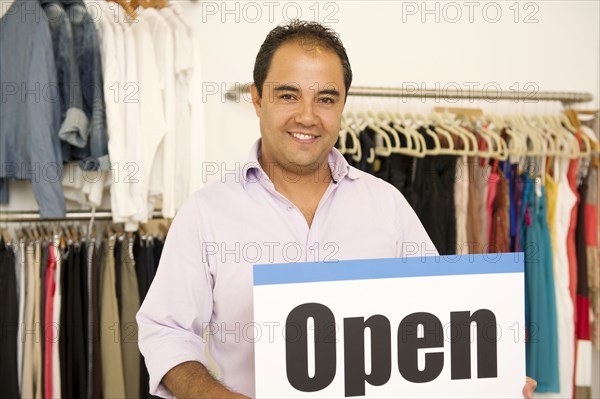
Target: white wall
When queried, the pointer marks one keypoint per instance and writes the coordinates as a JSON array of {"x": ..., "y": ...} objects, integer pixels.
[{"x": 389, "y": 45}]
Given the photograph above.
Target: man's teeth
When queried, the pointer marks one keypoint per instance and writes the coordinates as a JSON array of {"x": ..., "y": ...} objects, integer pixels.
[{"x": 302, "y": 136}]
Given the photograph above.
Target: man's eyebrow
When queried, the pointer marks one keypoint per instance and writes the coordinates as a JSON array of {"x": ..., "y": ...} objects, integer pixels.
[
  {"x": 286, "y": 88},
  {"x": 295, "y": 89},
  {"x": 331, "y": 92}
]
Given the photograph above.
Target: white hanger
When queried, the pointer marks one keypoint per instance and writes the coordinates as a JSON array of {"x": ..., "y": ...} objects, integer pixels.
[
  {"x": 352, "y": 123},
  {"x": 349, "y": 132},
  {"x": 417, "y": 146},
  {"x": 534, "y": 122},
  {"x": 587, "y": 147},
  {"x": 444, "y": 128},
  {"x": 499, "y": 145},
  {"x": 573, "y": 144},
  {"x": 382, "y": 122},
  {"x": 516, "y": 147},
  {"x": 371, "y": 123},
  {"x": 374, "y": 124}
]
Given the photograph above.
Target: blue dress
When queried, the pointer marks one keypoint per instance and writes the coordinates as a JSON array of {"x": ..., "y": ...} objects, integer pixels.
[{"x": 540, "y": 301}]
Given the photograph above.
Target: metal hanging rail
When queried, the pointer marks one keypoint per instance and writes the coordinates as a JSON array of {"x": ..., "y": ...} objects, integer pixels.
[
  {"x": 235, "y": 93},
  {"x": 34, "y": 216}
]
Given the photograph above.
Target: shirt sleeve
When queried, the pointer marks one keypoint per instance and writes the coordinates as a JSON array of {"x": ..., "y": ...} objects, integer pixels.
[
  {"x": 42, "y": 115},
  {"x": 179, "y": 302}
]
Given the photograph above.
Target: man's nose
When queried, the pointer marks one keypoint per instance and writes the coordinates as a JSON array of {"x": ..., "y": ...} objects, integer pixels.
[{"x": 306, "y": 112}]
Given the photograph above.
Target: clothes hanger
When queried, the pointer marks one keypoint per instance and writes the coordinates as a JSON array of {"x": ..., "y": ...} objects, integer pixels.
[
  {"x": 355, "y": 141},
  {"x": 442, "y": 128},
  {"x": 73, "y": 233},
  {"x": 471, "y": 137},
  {"x": 384, "y": 151},
  {"x": 5, "y": 236},
  {"x": 35, "y": 233},
  {"x": 411, "y": 124},
  {"x": 574, "y": 146},
  {"x": 515, "y": 146},
  {"x": 488, "y": 152},
  {"x": 350, "y": 132},
  {"x": 559, "y": 142},
  {"x": 549, "y": 143},
  {"x": 355, "y": 128},
  {"x": 384, "y": 124},
  {"x": 355, "y": 125},
  {"x": 533, "y": 145},
  {"x": 342, "y": 136},
  {"x": 353, "y": 122},
  {"x": 581, "y": 115},
  {"x": 396, "y": 128},
  {"x": 449, "y": 150},
  {"x": 500, "y": 146},
  {"x": 384, "y": 129},
  {"x": 424, "y": 122},
  {"x": 420, "y": 146},
  {"x": 109, "y": 231},
  {"x": 558, "y": 135},
  {"x": 44, "y": 232},
  {"x": 468, "y": 121},
  {"x": 25, "y": 234},
  {"x": 585, "y": 141},
  {"x": 353, "y": 134}
]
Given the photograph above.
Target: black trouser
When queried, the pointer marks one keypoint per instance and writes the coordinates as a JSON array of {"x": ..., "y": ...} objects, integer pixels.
[{"x": 9, "y": 320}]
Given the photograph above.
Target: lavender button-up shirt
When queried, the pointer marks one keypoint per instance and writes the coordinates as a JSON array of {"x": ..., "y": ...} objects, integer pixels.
[{"x": 203, "y": 286}]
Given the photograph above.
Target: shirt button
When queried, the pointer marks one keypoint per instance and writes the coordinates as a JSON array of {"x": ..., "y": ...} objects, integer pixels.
[{"x": 290, "y": 208}]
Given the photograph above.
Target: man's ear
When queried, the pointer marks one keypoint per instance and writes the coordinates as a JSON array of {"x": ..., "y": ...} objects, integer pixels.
[{"x": 256, "y": 99}]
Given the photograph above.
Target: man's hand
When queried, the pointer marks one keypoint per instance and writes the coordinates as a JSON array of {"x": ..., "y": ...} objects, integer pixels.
[{"x": 530, "y": 385}]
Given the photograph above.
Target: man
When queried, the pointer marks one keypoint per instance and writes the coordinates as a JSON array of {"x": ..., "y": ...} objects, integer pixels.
[{"x": 296, "y": 199}]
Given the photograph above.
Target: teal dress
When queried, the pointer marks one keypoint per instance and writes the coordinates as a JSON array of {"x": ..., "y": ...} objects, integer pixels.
[{"x": 540, "y": 302}]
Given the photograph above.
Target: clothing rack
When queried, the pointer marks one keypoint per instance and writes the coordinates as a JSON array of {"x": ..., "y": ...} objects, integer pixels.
[
  {"x": 34, "y": 216},
  {"x": 234, "y": 94}
]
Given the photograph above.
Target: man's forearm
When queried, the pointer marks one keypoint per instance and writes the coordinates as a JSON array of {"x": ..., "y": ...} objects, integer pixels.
[{"x": 192, "y": 380}]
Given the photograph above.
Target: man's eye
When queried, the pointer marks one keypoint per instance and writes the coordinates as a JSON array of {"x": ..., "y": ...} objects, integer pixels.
[
  {"x": 327, "y": 100},
  {"x": 287, "y": 97}
]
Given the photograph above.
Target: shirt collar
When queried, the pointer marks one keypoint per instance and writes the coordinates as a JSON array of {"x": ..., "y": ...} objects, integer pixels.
[{"x": 338, "y": 166}]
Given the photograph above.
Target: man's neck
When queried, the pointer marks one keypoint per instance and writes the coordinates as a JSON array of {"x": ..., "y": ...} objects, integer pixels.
[
  {"x": 302, "y": 188},
  {"x": 298, "y": 180}
]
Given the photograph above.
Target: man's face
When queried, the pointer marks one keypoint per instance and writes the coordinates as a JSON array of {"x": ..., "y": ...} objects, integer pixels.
[{"x": 301, "y": 107}]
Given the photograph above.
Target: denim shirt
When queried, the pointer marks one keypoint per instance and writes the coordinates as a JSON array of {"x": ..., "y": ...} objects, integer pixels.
[
  {"x": 30, "y": 107},
  {"x": 87, "y": 52},
  {"x": 77, "y": 54},
  {"x": 74, "y": 126}
]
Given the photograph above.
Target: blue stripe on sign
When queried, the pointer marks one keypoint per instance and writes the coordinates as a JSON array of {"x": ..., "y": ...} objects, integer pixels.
[{"x": 363, "y": 269}]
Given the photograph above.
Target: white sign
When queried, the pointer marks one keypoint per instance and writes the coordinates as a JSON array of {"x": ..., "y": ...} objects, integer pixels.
[{"x": 445, "y": 326}]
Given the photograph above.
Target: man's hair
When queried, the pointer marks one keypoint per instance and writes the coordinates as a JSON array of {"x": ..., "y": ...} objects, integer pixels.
[{"x": 305, "y": 33}]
